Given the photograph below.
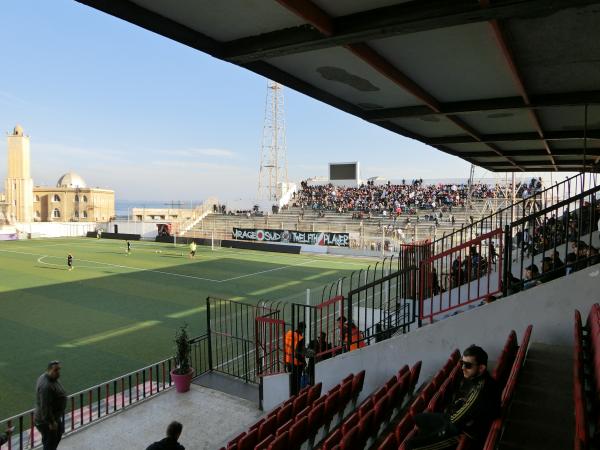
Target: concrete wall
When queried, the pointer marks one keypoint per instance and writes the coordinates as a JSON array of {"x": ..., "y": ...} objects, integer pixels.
[
  {"x": 56, "y": 229},
  {"x": 276, "y": 389},
  {"x": 548, "y": 307},
  {"x": 147, "y": 230}
]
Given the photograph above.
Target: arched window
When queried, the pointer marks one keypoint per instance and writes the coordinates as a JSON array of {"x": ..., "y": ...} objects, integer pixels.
[
  {"x": 76, "y": 197},
  {"x": 37, "y": 198},
  {"x": 85, "y": 198},
  {"x": 77, "y": 214},
  {"x": 56, "y": 213},
  {"x": 56, "y": 198},
  {"x": 85, "y": 214}
]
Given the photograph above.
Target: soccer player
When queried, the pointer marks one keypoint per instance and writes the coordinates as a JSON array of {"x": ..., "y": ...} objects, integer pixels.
[
  {"x": 70, "y": 261},
  {"x": 128, "y": 248},
  {"x": 192, "y": 249}
]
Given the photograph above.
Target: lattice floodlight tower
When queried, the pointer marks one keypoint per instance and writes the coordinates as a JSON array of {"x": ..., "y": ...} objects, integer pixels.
[{"x": 273, "y": 173}]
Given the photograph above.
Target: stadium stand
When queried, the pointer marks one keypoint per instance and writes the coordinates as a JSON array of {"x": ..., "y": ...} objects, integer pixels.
[{"x": 300, "y": 418}]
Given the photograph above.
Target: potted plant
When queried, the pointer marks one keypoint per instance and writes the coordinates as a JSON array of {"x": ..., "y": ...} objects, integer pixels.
[{"x": 182, "y": 373}]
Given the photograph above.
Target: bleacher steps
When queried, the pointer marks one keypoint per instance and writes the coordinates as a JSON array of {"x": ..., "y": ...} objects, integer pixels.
[
  {"x": 541, "y": 414},
  {"x": 229, "y": 385}
]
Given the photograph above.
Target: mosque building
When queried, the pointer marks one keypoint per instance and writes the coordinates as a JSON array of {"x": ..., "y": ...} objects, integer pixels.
[{"x": 71, "y": 200}]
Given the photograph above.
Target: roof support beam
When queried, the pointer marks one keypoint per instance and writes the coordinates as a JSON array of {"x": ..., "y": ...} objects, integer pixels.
[
  {"x": 536, "y": 152},
  {"x": 379, "y": 23},
  {"x": 550, "y": 135},
  {"x": 518, "y": 80},
  {"x": 492, "y": 104},
  {"x": 306, "y": 9}
]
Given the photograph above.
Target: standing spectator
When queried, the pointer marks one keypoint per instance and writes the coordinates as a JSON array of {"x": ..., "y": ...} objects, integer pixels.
[
  {"x": 294, "y": 354},
  {"x": 170, "y": 442},
  {"x": 51, "y": 400}
]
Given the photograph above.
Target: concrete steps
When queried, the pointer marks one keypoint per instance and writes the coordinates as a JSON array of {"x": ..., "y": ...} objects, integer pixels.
[{"x": 541, "y": 414}]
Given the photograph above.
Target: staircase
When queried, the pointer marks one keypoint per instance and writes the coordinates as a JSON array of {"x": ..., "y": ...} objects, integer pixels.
[{"x": 541, "y": 414}]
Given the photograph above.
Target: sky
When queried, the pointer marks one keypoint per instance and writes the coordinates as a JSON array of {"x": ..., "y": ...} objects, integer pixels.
[{"x": 153, "y": 119}]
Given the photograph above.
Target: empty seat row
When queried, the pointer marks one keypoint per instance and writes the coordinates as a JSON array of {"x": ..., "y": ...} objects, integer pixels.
[
  {"x": 364, "y": 423},
  {"x": 299, "y": 418},
  {"x": 586, "y": 360},
  {"x": 508, "y": 390}
]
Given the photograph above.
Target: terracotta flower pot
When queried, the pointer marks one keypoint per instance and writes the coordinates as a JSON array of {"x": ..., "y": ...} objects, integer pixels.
[{"x": 182, "y": 382}]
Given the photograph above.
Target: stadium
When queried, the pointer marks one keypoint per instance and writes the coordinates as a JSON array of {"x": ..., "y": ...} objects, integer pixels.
[{"x": 341, "y": 312}]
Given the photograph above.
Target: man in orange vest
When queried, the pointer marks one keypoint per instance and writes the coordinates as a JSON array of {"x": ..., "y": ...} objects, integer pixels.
[
  {"x": 357, "y": 339},
  {"x": 294, "y": 353}
]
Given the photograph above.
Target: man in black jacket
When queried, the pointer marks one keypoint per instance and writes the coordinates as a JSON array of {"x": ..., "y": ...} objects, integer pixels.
[
  {"x": 170, "y": 442},
  {"x": 474, "y": 405},
  {"x": 51, "y": 401},
  {"x": 4, "y": 437}
]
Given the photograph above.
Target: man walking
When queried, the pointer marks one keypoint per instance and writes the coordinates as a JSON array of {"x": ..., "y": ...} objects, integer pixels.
[
  {"x": 70, "y": 262},
  {"x": 51, "y": 400}
]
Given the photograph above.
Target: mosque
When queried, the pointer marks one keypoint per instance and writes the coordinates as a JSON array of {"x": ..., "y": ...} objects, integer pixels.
[{"x": 71, "y": 200}]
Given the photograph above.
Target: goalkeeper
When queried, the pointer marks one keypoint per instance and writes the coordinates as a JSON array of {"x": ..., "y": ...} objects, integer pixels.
[{"x": 192, "y": 249}]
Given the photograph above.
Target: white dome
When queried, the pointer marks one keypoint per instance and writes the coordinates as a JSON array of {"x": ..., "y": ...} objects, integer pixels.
[{"x": 71, "y": 180}]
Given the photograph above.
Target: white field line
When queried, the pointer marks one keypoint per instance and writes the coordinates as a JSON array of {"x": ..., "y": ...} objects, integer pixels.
[
  {"x": 268, "y": 270},
  {"x": 118, "y": 266},
  {"x": 41, "y": 256}
]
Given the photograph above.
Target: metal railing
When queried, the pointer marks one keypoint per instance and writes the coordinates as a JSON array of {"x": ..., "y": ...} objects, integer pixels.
[
  {"x": 521, "y": 208},
  {"x": 552, "y": 242},
  {"x": 99, "y": 401},
  {"x": 460, "y": 276}
]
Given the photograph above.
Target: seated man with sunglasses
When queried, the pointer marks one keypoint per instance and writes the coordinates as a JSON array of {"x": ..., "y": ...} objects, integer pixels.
[{"x": 474, "y": 405}]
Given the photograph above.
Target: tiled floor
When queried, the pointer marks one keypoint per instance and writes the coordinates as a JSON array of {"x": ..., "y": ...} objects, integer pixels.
[{"x": 209, "y": 419}]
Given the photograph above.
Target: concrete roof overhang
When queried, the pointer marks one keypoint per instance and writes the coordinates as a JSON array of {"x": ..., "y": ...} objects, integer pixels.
[{"x": 508, "y": 85}]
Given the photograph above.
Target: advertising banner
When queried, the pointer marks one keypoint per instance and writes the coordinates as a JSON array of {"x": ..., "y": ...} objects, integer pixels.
[{"x": 292, "y": 237}]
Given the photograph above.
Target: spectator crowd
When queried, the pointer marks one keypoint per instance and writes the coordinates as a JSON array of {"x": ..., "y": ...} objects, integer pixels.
[{"x": 395, "y": 199}]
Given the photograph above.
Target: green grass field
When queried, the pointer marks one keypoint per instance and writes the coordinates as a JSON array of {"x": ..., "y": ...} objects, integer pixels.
[{"x": 116, "y": 313}]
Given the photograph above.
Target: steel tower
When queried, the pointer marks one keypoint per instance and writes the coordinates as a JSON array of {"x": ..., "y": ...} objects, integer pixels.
[{"x": 273, "y": 173}]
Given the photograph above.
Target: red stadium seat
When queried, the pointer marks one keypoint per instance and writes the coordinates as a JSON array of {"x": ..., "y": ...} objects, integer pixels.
[
  {"x": 332, "y": 440},
  {"x": 350, "y": 440},
  {"x": 390, "y": 443},
  {"x": 357, "y": 384},
  {"x": 284, "y": 414},
  {"x": 298, "y": 434},
  {"x": 414, "y": 376},
  {"x": 233, "y": 443},
  {"x": 280, "y": 442},
  {"x": 249, "y": 441},
  {"x": 267, "y": 427},
  {"x": 331, "y": 406},
  {"x": 350, "y": 422},
  {"x": 315, "y": 418},
  {"x": 314, "y": 393},
  {"x": 299, "y": 403},
  {"x": 403, "y": 428},
  {"x": 285, "y": 427},
  {"x": 264, "y": 444}
]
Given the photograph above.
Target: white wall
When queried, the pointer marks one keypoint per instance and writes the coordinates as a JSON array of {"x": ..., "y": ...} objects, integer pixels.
[
  {"x": 548, "y": 307},
  {"x": 276, "y": 389},
  {"x": 56, "y": 229},
  {"x": 147, "y": 230}
]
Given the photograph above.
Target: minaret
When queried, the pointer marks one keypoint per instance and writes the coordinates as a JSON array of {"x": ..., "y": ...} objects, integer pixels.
[{"x": 19, "y": 185}]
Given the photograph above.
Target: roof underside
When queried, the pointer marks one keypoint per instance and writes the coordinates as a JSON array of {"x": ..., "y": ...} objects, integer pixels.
[{"x": 508, "y": 85}]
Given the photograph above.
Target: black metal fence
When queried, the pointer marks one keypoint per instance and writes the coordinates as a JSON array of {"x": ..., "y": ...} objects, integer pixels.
[{"x": 552, "y": 241}]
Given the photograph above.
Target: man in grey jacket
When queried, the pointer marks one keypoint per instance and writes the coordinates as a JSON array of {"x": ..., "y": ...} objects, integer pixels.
[{"x": 51, "y": 400}]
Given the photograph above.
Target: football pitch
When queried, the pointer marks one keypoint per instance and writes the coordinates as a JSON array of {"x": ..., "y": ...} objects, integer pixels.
[{"x": 114, "y": 313}]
